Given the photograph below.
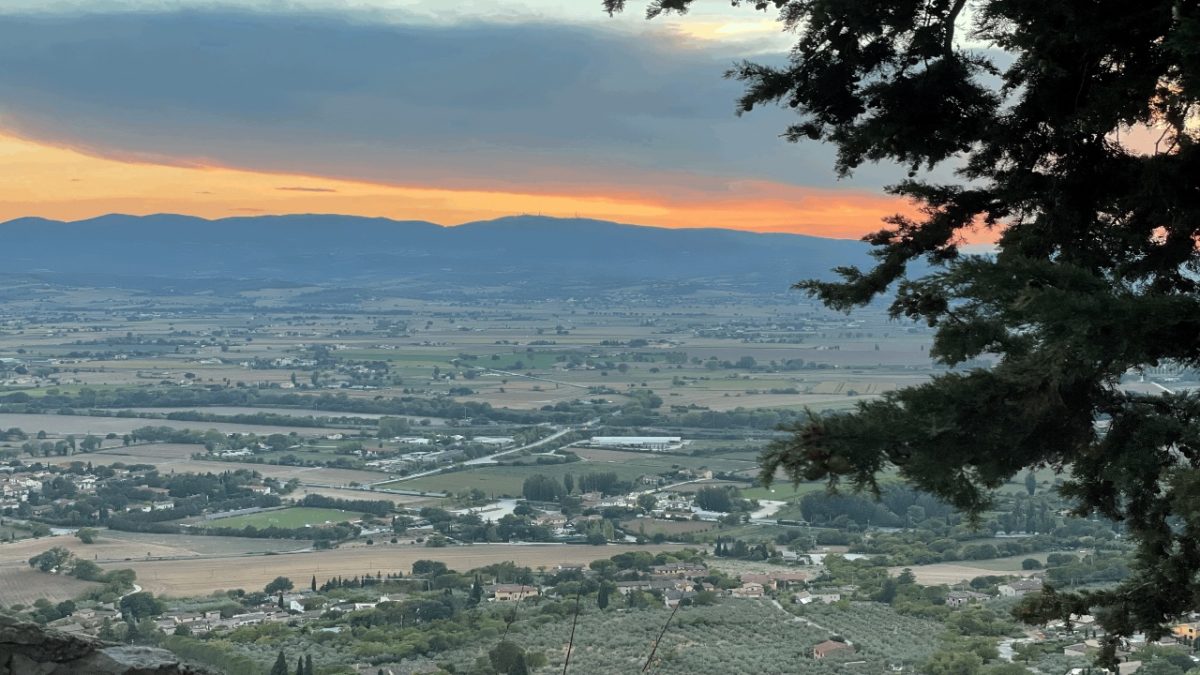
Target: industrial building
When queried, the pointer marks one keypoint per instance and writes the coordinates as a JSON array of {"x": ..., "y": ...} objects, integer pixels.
[{"x": 654, "y": 443}]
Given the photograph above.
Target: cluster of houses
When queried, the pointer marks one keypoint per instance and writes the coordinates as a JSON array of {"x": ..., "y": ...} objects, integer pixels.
[
  {"x": 392, "y": 460},
  {"x": 1084, "y": 626},
  {"x": 295, "y": 608},
  {"x": 673, "y": 582},
  {"x": 87, "y": 620},
  {"x": 1181, "y": 640},
  {"x": 15, "y": 489}
]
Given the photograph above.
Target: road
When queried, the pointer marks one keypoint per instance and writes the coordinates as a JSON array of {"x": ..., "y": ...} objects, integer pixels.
[
  {"x": 136, "y": 589},
  {"x": 801, "y": 619},
  {"x": 491, "y": 459},
  {"x": 528, "y": 377},
  {"x": 1005, "y": 649}
]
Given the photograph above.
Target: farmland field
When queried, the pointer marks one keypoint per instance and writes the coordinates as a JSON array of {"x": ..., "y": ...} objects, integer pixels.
[
  {"x": 115, "y": 547},
  {"x": 201, "y": 576},
  {"x": 294, "y": 517},
  {"x": 952, "y": 573},
  {"x": 89, "y": 424},
  {"x": 289, "y": 412},
  {"x": 249, "y": 410},
  {"x": 24, "y": 585},
  {"x": 877, "y": 630},
  {"x": 148, "y": 453},
  {"x": 176, "y": 458},
  {"x": 198, "y": 544},
  {"x": 738, "y": 637}
]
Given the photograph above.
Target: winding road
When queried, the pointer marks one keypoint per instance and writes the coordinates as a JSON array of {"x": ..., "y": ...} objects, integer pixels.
[{"x": 491, "y": 459}]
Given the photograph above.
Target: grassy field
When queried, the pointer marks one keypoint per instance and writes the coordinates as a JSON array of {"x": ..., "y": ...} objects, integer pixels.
[
  {"x": 952, "y": 573},
  {"x": 653, "y": 526},
  {"x": 653, "y": 463},
  {"x": 294, "y": 517},
  {"x": 411, "y": 501},
  {"x": 784, "y": 491}
]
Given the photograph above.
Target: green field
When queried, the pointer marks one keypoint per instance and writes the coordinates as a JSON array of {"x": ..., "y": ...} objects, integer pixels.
[
  {"x": 657, "y": 462},
  {"x": 299, "y": 516},
  {"x": 653, "y": 526},
  {"x": 783, "y": 491},
  {"x": 500, "y": 481},
  {"x": 1008, "y": 564}
]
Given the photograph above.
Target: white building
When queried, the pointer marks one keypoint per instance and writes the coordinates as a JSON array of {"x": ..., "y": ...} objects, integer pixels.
[
  {"x": 655, "y": 443},
  {"x": 493, "y": 440},
  {"x": 1018, "y": 588}
]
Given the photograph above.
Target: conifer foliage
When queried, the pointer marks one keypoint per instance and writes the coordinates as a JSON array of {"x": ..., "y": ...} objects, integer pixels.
[{"x": 1072, "y": 127}]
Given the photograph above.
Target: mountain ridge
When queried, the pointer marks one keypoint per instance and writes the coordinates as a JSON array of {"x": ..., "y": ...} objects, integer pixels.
[{"x": 526, "y": 251}]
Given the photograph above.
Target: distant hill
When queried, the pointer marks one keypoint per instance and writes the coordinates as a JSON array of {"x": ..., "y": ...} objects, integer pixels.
[{"x": 537, "y": 254}]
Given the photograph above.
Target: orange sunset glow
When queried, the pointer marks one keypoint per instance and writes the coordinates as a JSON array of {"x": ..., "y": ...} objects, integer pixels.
[{"x": 38, "y": 179}]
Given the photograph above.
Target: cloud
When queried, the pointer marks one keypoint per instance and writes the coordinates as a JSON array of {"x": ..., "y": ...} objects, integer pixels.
[
  {"x": 301, "y": 188},
  {"x": 553, "y": 107}
]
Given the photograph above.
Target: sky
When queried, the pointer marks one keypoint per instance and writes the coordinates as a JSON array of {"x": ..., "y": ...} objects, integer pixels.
[{"x": 416, "y": 109}]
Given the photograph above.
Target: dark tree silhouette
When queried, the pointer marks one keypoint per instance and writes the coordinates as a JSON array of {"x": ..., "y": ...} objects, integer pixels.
[
  {"x": 1035, "y": 105},
  {"x": 280, "y": 667}
]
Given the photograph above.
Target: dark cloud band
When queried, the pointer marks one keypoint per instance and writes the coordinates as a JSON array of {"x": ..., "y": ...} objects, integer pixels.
[{"x": 473, "y": 105}]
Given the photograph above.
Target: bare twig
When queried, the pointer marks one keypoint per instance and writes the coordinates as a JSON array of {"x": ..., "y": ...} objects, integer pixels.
[
  {"x": 650, "y": 659},
  {"x": 571, "y": 642}
]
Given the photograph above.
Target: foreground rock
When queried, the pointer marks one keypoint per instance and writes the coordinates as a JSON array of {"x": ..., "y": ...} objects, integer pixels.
[{"x": 29, "y": 649}]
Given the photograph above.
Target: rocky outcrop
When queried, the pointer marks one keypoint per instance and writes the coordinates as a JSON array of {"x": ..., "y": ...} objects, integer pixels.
[{"x": 30, "y": 649}]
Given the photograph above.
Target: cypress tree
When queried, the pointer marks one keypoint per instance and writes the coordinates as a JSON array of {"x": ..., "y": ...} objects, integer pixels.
[{"x": 281, "y": 666}]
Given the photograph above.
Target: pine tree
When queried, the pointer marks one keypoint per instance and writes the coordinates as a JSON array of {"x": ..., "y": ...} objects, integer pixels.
[
  {"x": 602, "y": 596},
  {"x": 308, "y": 665},
  {"x": 313, "y": 585},
  {"x": 299, "y": 665},
  {"x": 1093, "y": 275}
]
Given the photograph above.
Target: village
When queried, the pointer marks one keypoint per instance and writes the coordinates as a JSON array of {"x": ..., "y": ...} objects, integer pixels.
[{"x": 792, "y": 578}]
